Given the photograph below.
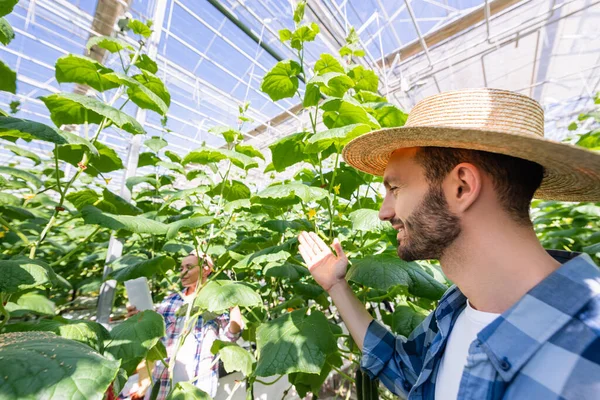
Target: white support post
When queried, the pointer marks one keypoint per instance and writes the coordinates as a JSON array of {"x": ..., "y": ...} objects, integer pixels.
[{"x": 115, "y": 246}]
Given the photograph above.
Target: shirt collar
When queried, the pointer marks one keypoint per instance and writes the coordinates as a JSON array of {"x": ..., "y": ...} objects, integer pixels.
[{"x": 514, "y": 337}]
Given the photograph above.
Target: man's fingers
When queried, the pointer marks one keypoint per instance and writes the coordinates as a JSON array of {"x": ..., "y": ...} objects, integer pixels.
[
  {"x": 320, "y": 244},
  {"x": 337, "y": 246},
  {"x": 305, "y": 255}
]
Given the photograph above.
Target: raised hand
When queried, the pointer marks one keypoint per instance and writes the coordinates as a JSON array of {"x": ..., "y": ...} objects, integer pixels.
[{"x": 327, "y": 268}]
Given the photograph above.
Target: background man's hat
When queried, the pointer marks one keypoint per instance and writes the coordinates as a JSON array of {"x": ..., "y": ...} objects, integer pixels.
[{"x": 497, "y": 121}]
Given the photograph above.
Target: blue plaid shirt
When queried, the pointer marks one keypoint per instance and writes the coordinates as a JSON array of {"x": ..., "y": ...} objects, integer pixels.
[{"x": 546, "y": 346}]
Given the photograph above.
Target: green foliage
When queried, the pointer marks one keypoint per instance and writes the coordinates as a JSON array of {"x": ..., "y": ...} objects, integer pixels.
[
  {"x": 84, "y": 70},
  {"x": 111, "y": 44},
  {"x": 6, "y": 32},
  {"x": 8, "y": 79},
  {"x": 282, "y": 81}
]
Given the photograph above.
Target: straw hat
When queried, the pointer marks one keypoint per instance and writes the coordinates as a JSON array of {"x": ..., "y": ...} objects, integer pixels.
[{"x": 497, "y": 121}]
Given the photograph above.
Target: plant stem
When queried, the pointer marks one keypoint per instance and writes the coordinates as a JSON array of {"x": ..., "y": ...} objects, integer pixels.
[
  {"x": 268, "y": 383},
  {"x": 56, "y": 169},
  {"x": 343, "y": 374},
  {"x": 15, "y": 230},
  {"x": 3, "y": 311}
]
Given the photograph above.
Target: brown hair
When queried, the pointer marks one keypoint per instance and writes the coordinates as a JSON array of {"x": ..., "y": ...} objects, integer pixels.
[{"x": 515, "y": 180}]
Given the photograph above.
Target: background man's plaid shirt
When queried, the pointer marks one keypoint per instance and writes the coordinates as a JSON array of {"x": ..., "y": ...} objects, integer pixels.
[
  {"x": 206, "y": 333},
  {"x": 547, "y": 346}
]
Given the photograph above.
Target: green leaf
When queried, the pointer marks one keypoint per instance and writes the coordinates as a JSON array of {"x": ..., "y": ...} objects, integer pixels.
[
  {"x": 305, "y": 33},
  {"x": 230, "y": 134},
  {"x": 155, "y": 85},
  {"x": 136, "y": 180},
  {"x": 288, "y": 151},
  {"x": 285, "y": 35},
  {"x": 6, "y": 32},
  {"x": 219, "y": 295},
  {"x": 171, "y": 166},
  {"x": 187, "y": 223},
  {"x": 352, "y": 50},
  {"x": 283, "y": 226},
  {"x": 8, "y": 79},
  {"x": 83, "y": 198},
  {"x": 146, "y": 63},
  {"x": 147, "y": 158},
  {"x": 406, "y": 318},
  {"x": 328, "y": 63},
  {"x": 299, "y": 11},
  {"x": 24, "y": 153},
  {"x": 572, "y": 126},
  {"x": 84, "y": 70},
  {"x": 139, "y": 28},
  {"x": 137, "y": 224},
  {"x": 9, "y": 199},
  {"x": 364, "y": 96},
  {"x": 249, "y": 150},
  {"x": 187, "y": 391},
  {"x": 389, "y": 115},
  {"x": 155, "y": 266},
  {"x": 367, "y": 220},
  {"x": 282, "y": 81},
  {"x": 233, "y": 356},
  {"x": 24, "y": 175},
  {"x": 289, "y": 271},
  {"x": 108, "y": 43},
  {"x": 132, "y": 339},
  {"x": 35, "y": 364},
  {"x": 333, "y": 84},
  {"x": 23, "y": 274},
  {"x": 71, "y": 108},
  {"x": 87, "y": 332},
  {"x": 157, "y": 353},
  {"x": 139, "y": 93},
  {"x": 336, "y": 136},
  {"x": 234, "y": 190},
  {"x": 347, "y": 111},
  {"x": 312, "y": 95},
  {"x": 364, "y": 79},
  {"x": 295, "y": 342},
  {"x": 31, "y": 303},
  {"x": 290, "y": 193},
  {"x": 177, "y": 159},
  {"x": 383, "y": 271},
  {"x": 237, "y": 205},
  {"x": 6, "y": 6},
  {"x": 115, "y": 204},
  {"x": 106, "y": 161},
  {"x": 205, "y": 155},
  {"x": 155, "y": 143}
]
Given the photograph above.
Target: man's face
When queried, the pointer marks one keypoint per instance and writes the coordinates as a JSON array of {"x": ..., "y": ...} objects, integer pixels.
[{"x": 417, "y": 210}]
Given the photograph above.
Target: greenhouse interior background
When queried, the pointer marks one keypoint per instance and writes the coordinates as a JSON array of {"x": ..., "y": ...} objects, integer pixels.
[{"x": 212, "y": 56}]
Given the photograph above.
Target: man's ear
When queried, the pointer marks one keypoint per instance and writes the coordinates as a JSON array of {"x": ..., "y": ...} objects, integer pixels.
[{"x": 463, "y": 187}]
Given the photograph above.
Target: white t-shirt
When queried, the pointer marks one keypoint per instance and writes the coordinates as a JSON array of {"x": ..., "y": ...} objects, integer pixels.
[
  {"x": 468, "y": 324},
  {"x": 185, "y": 363}
]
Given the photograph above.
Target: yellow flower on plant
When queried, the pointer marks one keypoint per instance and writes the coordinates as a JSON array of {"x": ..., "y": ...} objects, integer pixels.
[
  {"x": 1, "y": 234},
  {"x": 340, "y": 214},
  {"x": 311, "y": 213},
  {"x": 336, "y": 188},
  {"x": 107, "y": 180},
  {"x": 28, "y": 196}
]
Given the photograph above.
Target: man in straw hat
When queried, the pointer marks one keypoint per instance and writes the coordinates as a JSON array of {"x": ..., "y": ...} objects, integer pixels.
[{"x": 521, "y": 322}]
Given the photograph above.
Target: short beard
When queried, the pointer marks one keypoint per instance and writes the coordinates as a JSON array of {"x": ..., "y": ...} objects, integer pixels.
[{"x": 430, "y": 229}]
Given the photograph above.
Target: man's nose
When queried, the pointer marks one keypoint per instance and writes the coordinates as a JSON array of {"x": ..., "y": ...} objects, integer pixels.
[{"x": 386, "y": 212}]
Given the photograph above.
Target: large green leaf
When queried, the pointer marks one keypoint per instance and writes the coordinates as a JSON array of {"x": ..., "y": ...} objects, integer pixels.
[
  {"x": 288, "y": 151},
  {"x": 295, "y": 342},
  {"x": 139, "y": 93},
  {"x": 108, "y": 43},
  {"x": 334, "y": 84},
  {"x": 304, "y": 33},
  {"x": 136, "y": 180},
  {"x": 282, "y": 81},
  {"x": 147, "y": 268},
  {"x": 6, "y": 6},
  {"x": 347, "y": 111},
  {"x": 367, "y": 220},
  {"x": 83, "y": 198},
  {"x": 328, "y": 63},
  {"x": 131, "y": 340},
  {"x": 23, "y": 273},
  {"x": 41, "y": 365},
  {"x": 8, "y": 79},
  {"x": 87, "y": 332},
  {"x": 388, "y": 115},
  {"x": 155, "y": 85},
  {"x": 282, "y": 226},
  {"x": 406, "y": 318},
  {"x": 31, "y": 303},
  {"x": 26, "y": 129},
  {"x": 73, "y": 108},
  {"x": 233, "y": 356},
  {"x": 221, "y": 295},
  {"x": 84, "y": 70},
  {"x": 11, "y": 200},
  {"x": 364, "y": 79},
  {"x": 383, "y": 271},
  {"x": 229, "y": 134},
  {"x": 147, "y": 158},
  {"x": 288, "y": 194},
  {"x": 187, "y": 391},
  {"x": 24, "y": 175},
  {"x": 155, "y": 143},
  {"x": 24, "y": 153},
  {"x": 107, "y": 160},
  {"x": 115, "y": 204},
  {"x": 146, "y": 63},
  {"x": 139, "y": 28},
  {"x": 231, "y": 190},
  {"x": 6, "y": 32},
  {"x": 336, "y": 136},
  {"x": 135, "y": 224},
  {"x": 249, "y": 150},
  {"x": 206, "y": 155},
  {"x": 186, "y": 224},
  {"x": 288, "y": 271}
]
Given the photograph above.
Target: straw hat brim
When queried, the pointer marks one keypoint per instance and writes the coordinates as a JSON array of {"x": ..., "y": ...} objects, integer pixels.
[{"x": 571, "y": 173}]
